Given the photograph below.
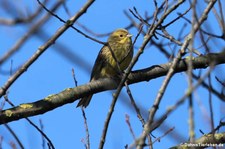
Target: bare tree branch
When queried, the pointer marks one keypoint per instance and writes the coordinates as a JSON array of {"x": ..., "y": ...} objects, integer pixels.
[{"x": 70, "y": 95}]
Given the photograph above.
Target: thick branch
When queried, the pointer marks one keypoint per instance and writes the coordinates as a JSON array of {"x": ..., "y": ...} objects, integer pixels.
[
  {"x": 209, "y": 140},
  {"x": 161, "y": 70},
  {"x": 70, "y": 95}
]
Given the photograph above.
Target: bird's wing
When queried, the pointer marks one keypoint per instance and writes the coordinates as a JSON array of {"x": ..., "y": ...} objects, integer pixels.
[{"x": 100, "y": 62}]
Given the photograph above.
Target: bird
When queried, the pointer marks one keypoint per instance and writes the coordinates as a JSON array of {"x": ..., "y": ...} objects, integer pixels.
[{"x": 113, "y": 58}]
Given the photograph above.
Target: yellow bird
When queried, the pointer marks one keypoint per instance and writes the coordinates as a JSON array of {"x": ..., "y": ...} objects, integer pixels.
[{"x": 106, "y": 64}]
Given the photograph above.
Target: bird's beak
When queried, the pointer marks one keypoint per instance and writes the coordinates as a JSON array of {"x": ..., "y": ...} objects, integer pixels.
[{"x": 129, "y": 35}]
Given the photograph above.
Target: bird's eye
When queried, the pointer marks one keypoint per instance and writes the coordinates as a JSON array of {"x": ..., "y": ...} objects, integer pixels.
[{"x": 121, "y": 35}]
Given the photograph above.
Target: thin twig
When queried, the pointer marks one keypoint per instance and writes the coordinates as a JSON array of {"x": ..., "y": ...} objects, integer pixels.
[
  {"x": 137, "y": 109},
  {"x": 127, "y": 119},
  {"x": 42, "y": 129},
  {"x": 35, "y": 126},
  {"x": 211, "y": 104},
  {"x": 166, "y": 133},
  {"x": 87, "y": 142},
  {"x": 189, "y": 72},
  {"x": 14, "y": 135},
  {"x": 61, "y": 20}
]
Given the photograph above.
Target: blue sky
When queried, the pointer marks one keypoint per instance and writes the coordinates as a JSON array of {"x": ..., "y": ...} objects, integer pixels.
[{"x": 51, "y": 73}]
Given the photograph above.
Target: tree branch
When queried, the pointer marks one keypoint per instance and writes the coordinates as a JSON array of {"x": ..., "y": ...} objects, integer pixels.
[
  {"x": 208, "y": 140},
  {"x": 70, "y": 95}
]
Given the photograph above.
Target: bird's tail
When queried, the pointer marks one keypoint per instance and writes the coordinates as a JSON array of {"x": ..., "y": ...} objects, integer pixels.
[{"x": 84, "y": 102}]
